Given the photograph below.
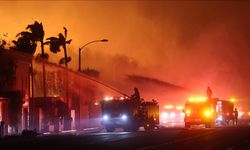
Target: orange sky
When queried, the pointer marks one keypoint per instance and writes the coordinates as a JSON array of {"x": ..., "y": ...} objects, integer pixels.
[{"x": 192, "y": 44}]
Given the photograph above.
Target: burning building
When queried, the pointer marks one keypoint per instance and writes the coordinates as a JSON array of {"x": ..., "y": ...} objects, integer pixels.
[{"x": 61, "y": 100}]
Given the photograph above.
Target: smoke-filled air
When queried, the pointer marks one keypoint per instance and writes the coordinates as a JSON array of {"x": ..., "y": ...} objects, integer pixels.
[{"x": 169, "y": 50}]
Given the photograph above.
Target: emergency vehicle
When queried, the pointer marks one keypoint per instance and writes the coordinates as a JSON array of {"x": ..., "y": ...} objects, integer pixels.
[
  {"x": 172, "y": 115},
  {"x": 129, "y": 114},
  {"x": 208, "y": 111}
]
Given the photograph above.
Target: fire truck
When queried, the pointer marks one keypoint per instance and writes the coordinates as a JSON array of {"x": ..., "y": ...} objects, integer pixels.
[
  {"x": 129, "y": 114},
  {"x": 208, "y": 111}
]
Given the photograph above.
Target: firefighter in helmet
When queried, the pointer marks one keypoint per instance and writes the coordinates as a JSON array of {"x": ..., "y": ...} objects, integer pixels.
[
  {"x": 136, "y": 95},
  {"x": 235, "y": 116}
]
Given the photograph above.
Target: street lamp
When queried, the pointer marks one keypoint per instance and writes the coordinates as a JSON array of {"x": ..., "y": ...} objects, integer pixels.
[{"x": 80, "y": 49}]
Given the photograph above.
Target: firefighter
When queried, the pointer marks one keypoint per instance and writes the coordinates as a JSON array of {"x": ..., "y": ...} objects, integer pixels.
[
  {"x": 1, "y": 129},
  {"x": 136, "y": 95},
  {"x": 235, "y": 116}
]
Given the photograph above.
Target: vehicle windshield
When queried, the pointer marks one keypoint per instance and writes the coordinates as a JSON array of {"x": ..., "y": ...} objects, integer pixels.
[{"x": 115, "y": 107}]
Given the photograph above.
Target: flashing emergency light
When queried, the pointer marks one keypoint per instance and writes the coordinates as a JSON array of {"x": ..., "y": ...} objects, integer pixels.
[
  {"x": 179, "y": 107},
  {"x": 207, "y": 113},
  {"x": 168, "y": 106},
  {"x": 197, "y": 99},
  {"x": 107, "y": 98},
  {"x": 248, "y": 113},
  {"x": 122, "y": 98},
  {"x": 232, "y": 100}
]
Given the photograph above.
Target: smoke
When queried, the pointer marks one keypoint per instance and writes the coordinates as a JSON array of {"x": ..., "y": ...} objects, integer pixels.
[
  {"x": 191, "y": 44},
  {"x": 204, "y": 44},
  {"x": 164, "y": 92}
]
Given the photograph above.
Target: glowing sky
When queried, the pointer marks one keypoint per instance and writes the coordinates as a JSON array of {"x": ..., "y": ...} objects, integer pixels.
[{"x": 192, "y": 44}]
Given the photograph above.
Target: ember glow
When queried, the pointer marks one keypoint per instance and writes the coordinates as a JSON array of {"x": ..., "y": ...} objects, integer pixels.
[{"x": 189, "y": 44}]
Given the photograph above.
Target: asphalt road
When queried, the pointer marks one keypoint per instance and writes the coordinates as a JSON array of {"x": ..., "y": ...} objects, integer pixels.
[{"x": 166, "y": 138}]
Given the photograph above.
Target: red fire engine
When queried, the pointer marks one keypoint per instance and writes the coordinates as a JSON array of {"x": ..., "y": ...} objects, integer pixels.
[
  {"x": 129, "y": 114},
  {"x": 208, "y": 111}
]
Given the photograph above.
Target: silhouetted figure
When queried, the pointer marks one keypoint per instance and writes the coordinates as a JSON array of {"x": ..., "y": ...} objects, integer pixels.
[
  {"x": 136, "y": 95},
  {"x": 151, "y": 122},
  {"x": 235, "y": 116},
  {"x": 1, "y": 128},
  {"x": 209, "y": 92}
]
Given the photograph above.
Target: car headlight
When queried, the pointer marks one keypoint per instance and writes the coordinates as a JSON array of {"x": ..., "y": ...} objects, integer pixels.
[{"x": 105, "y": 117}]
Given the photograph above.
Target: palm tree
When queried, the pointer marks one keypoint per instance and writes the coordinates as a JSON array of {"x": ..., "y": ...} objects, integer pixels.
[
  {"x": 56, "y": 42},
  {"x": 25, "y": 43},
  {"x": 37, "y": 33},
  {"x": 2, "y": 44}
]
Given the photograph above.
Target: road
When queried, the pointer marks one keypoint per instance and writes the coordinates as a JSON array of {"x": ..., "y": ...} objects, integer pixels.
[{"x": 166, "y": 138}]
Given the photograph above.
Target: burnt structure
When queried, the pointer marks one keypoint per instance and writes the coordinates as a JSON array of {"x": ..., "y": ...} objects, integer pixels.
[{"x": 70, "y": 96}]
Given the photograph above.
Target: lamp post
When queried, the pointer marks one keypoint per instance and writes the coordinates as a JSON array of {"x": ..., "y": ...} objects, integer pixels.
[{"x": 80, "y": 49}]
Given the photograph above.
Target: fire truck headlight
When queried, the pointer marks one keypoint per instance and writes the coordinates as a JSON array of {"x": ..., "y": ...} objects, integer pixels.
[
  {"x": 207, "y": 113},
  {"x": 105, "y": 117},
  {"x": 188, "y": 112},
  {"x": 164, "y": 115},
  {"x": 124, "y": 117}
]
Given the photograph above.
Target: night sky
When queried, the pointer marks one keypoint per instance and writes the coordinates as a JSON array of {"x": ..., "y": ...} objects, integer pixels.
[{"x": 190, "y": 44}]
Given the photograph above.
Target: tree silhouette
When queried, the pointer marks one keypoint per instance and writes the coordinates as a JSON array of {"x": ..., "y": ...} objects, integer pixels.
[
  {"x": 27, "y": 40},
  {"x": 2, "y": 43},
  {"x": 25, "y": 43},
  {"x": 37, "y": 34},
  {"x": 56, "y": 42}
]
